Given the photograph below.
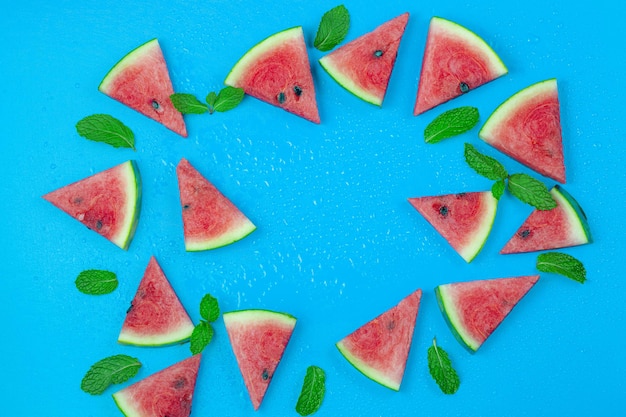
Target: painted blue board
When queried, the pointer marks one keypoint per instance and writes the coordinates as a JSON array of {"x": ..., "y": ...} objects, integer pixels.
[{"x": 337, "y": 242}]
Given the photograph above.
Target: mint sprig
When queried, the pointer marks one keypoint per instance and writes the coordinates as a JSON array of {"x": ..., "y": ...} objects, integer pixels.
[
  {"x": 112, "y": 370},
  {"x": 96, "y": 282},
  {"x": 451, "y": 123},
  {"x": 440, "y": 367},
  {"x": 332, "y": 29},
  {"x": 188, "y": 103},
  {"x": 107, "y": 129},
  {"x": 562, "y": 264},
  {"x": 522, "y": 186},
  {"x": 203, "y": 332},
  {"x": 313, "y": 391},
  {"x": 226, "y": 99}
]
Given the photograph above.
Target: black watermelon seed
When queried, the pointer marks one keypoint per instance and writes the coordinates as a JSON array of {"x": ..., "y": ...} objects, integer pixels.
[
  {"x": 297, "y": 90},
  {"x": 443, "y": 210},
  {"x": 281, "y": 97},
  {"x": 378, "y": 53},
  {"x": 99, "y": 224},
  {"x": 463, "y": 87},
  {"x": 180, "y": 383},
  {"x": 524, "y": 233},
  {"x": 265, "y": 375},
  {"x": 155, "y": 104},
  {"x": 186, "y": 206}
]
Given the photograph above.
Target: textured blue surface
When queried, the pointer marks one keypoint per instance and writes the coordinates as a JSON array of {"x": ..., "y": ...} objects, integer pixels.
[{"x": 337, "y": 242}]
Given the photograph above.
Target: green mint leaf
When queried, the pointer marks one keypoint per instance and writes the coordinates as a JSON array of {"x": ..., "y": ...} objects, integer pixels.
[
  {"x": 313, "y": 390},
  {"x": 210, "y": 100},
  {"x": 107, "y": 129},
  {"x": 228, "y": 98},
  {"x": 96, "y": 282},
  {"x": 188, "y": 103},
  {"x": 531, "y": 191},
  {"x": 200, "y": 337},
  {"x": 441, "y": 369},
  {"x": 563, "y": 264},
  {"x": 333, "y": 28},
  {"x": 451, "y": 123},
  {"x": 209, "y": 308},
  {"x": 484, "y": 165},
  {"x": 498, "y": 189},
  {"x": 112, "y": 370}
]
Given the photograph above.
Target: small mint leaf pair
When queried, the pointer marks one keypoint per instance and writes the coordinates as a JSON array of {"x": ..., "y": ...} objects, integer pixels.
[
  {"x": 203, "y": 332},
  {"x": 226, "y": 99}
]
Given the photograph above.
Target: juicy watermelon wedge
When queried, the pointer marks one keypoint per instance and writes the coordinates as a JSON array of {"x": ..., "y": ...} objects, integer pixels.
[
  {"x": 464, "y": 219},
  {"x": 564, "y": 226},
  {"x": 456, "y": 61},
  {"x": 258, "y": 339},
  {"x": 107, "y": 202},
  {"x": 156, "y": 316},
  {"x": 141, "y": 81},
  {"x": 364, "y": 65},
  {"x": 379, "y": 349},
  {"x": 277, "y": 71},
  {"x": 168, "y": 392},
  {"x": 474, "y": 309},
  {"x": 527, "y": 127},
  {"x": 210, "y": 220}
]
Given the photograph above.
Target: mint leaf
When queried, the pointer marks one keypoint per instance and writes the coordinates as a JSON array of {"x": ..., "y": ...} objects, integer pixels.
[
  {"x": 112, "y": 370},
  {"x": 333, "y": 28},
  {"x": 497, "y": 189},
  {"x": 96, "y": 282},
  {"x": 484, "y": 165},
  {"x": 107, "y": 129},
  {"x": 451, "y": 123},
  {"x": 563, "y": 264},
  {"x": 210, "y": 100},
  {"x": 200, "y": 337},
  {"x": 531, "y": 191},
  {"x": 209, "y": 308},
  {"x": 313, "y": 390},
  {"x": 228, "y": 98},
  {"x": 441, "y": 369},
  {"x": 188, "y": 103}
]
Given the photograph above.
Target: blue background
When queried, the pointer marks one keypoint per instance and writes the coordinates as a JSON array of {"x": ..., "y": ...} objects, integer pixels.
[{"x": 337, "y": 242}]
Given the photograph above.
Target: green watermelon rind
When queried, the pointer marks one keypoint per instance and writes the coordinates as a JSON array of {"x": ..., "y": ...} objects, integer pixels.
[
  {"x": 452, "y": 320},
  {"x": 133, "y": 205},
  {"x": 267, "y": 44},
  {"x": 367, "y": 370},
  {"x": 257, "y": 314},
  {"x": 125, "y": 406},
  {"x": 127, "y": 60},
  {"x": 231, "y": 236},
  {"x": 348, "y": 84},
  {"x": 471, "y": 250},
  {"x": 173, "y": 337},
  {"x": 575, "y": 213}
]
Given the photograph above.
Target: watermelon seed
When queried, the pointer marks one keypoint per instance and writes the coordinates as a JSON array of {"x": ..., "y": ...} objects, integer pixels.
[
  {"x": 281, "y": 97},
  {"x": 180, "y": 383},
  {"x": 186, "y": 206},
  {"x": 99, "y": 224},
  {"x": 378, "y": 53},
  {"x": 524, "y": 233},
  {"x": 297, "y": 90},
  {"x": 443, "y": 210},
  {"x": 463, "y": 87},
  {"x": 265, "y": 375},
  {"x": 155, "y": 104},
  {"x": 391, "y": 325}
]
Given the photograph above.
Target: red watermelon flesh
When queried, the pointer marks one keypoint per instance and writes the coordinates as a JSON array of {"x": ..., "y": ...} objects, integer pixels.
[
  {"x": 277, "y": 71},
  {"x": 141, "y": 81},
  {"x": 168, "y": 392},
  {"x": 210, "y": 220},
  {"x": 106, "y": 202},
  {"x": 156, "y": 316},
  {"x": 258, "y": 339},
  {"x": 463, "y": 219},
  {"x": 364, "y": 65},
  {"x": 564, "y": 226},
  {"x": 474, "y": 309},
  {"x": 456, "y": 61},
  {"x": 380, "y": 348},
  {"x": 527, "y": 127}
]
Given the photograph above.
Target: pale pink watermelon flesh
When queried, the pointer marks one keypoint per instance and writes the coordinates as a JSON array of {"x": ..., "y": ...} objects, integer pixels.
[
  {"x": 258, "y": 339},
  {"x": 141, "y": 81},
  {"x": 277, "y": 71},
  {"x": 156, "y": 316},
  {"x": 364, "y": 65},
  {"x": 379, "y": 349},
  {"x": 474, "y": 309},
  {"x": 562, "y": 227},
  {"x": 455, "y": 61},
  {"x": 210, "y": 220},
  {"x": 527, "y": 127},
  {"x": 464, "y": 220},
  {"x": 107, "y": 202},
  {"x": 168, "y": 392}
]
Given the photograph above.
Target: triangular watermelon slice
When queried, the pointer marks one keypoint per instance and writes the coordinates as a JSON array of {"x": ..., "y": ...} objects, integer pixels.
[
  {"x": 168, "y": 392},
  {"x": 142, "y": 81},
  {"x": 258, "y": 339},
  {"x": 527, "y": 127},
  {"x": 277, "y": 71},
  {"x": 210, "y": 220},
  {"x": 379, "y": 349},
  {"x": 564, "y": 226},
  {"x": 456, "y": 61},
  {"x": 107, "y": 202},
  {"x": 156, "y": 316},
  {"x": 364, "y": 65},
  {"x": 474, "y": 309},
  {"x": 463, "y": 219}
]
